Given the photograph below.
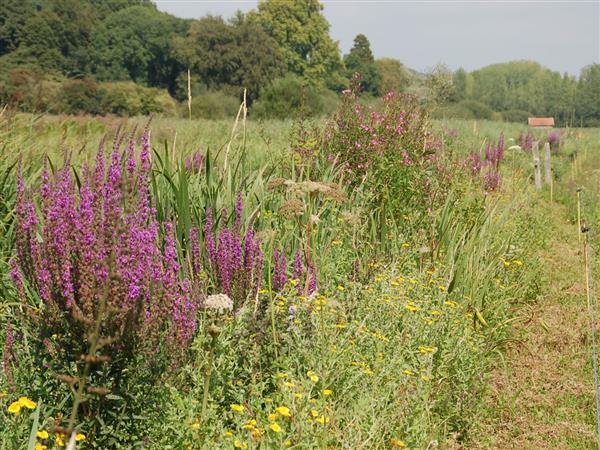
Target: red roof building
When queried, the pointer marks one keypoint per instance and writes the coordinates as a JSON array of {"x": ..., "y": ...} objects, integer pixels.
[{"x": 540, "y": 121}]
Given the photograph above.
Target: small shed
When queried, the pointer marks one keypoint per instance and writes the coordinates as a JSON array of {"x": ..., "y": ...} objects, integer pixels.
[{"x": 541, "y": 122}]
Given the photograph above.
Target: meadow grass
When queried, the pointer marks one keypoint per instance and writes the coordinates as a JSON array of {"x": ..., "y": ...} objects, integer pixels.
[{"x": 394, "y": 350}]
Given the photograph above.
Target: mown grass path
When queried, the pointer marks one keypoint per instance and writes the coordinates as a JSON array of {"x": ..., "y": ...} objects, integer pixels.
[{"x": 541, "y": 396}]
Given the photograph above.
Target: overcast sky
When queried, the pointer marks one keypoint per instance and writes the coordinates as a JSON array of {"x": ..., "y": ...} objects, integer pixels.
[{"x": 562, "y": 35}]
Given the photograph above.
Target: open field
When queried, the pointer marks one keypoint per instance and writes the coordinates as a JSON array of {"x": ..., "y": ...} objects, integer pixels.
[{"x": 363, "y": 281}]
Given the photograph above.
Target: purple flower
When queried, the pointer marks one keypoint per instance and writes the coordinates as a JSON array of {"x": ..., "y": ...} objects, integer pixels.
[
  {"x": 280, "y": 272},
  {"x": 102, "y": 241}
]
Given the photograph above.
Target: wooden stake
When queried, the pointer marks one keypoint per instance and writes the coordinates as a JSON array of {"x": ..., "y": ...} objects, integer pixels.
[
  {"x": 537, "y": 166},
  {"x": 189, "y": 95},
  {"x": 579, "y": 214},
  {"x": 547, "y": 167},
  {"x": 590, "y": 301}
]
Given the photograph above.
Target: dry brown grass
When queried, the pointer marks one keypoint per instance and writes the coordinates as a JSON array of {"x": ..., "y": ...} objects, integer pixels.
[{"x": 543, "y": 398}]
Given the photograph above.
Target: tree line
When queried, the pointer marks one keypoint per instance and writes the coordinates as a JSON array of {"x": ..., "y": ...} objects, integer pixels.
[{"x": 127, "y": 57}]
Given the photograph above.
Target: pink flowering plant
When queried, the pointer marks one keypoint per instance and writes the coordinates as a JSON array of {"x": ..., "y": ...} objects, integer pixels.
[
  {"x": 99, "y": 279},
  {"x": 391, "y": 155}
]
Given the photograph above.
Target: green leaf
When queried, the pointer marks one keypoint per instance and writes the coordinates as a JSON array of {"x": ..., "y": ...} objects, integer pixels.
[{"x": 34, "y": 427}]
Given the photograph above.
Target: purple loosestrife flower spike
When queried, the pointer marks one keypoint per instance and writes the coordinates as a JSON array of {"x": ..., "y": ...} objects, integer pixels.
[
  {"x": 280, "y": 275},
  {"x": 195, "y": 251},
  {"x": 104, "y": 227},
  {"x": 239, "y": 208},
  {"x": 297, "y": 266}
]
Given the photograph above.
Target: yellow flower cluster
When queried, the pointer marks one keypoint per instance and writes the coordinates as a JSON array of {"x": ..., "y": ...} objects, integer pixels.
[{"x": 23, "y": 402}]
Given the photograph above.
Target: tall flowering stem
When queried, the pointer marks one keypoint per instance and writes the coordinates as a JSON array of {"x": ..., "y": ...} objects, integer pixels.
[
  {"x": 233, "y": 258},
  {"x": 103, "y": 237}
]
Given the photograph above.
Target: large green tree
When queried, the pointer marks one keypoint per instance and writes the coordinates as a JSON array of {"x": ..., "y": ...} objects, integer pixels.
[
  {"x": 135, "y": 44},
  {"x": 588, "y": 95},
  {"x": 360, "y": 60},
  {"x": 440, "y": 84},
  {"x": 394, "y": 77},
  {"x": 302, "y": 33},
  {"x": 231, "y": 56}
]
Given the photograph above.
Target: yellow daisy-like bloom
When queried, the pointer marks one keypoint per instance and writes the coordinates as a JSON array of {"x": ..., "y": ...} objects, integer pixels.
[
  {"x": 26, "y": 403},
  {"x": 298, "y": 395},
  {"x": 450, "y": 303},
  {"x": 289, "y": 384},
  {"x": 249, "y": 425},
  {"x": 411, "y": 307},
  {"x": 327, "y": 392},
  {"x": 408, "y": 372},
  {"x": 275, "y": 427},
  {"x": 284, "y": 411},
  {"x": 228, "y": 434},
  {"x": 313, "y": 376},
  {"x": 195, "y": 425},
  {"x": 314, "y": 412},
  {"x": 237, "y": 408},
  {"x": 273, "y": 417},
  {"x": 426, "y": 349},
  {"x": 323, "y": 420},
  {"x": 80, "y": 437},
  {"x": 397, "y": 443},
  {"x": 42, "y": 434},
  {"x": 239, "y": 444},
  {"x": 59, "y": 440},
  {"x": 40, "y": 447},
  {"x": 15, "y": 408}
]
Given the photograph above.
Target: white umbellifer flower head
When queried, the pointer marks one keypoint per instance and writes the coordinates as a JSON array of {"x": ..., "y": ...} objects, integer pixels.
[{"x": 219, "y": 303}]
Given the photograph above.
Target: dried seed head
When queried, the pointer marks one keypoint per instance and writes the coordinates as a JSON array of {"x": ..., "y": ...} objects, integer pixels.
[
  {"x": 291, "y": 208},
  {"x": 67, "y": 379},
  {"x": 275, "y": 183},
  {"x": 213, "y": 330},
  {"x": 336, "y": 194},
  {"x": 351, "y": 218},
  {"x": 98, "y": 390}
]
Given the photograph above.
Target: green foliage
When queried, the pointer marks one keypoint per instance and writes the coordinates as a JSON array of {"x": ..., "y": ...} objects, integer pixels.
[
  {"x": 440, "y": 84},
  {"x": 527, "y": 86},
  {"x": 426, "y": 318},
  {"x": 135, "y": 44},
  {"x": 238, "y": 55},
  {"x": 360, "y": 60},
  {"x": 292, "y": 97},
  {"x": 394, "y": 75},
  {"x": 302, "y": 33},
  {"x": 588, "y": 96},
  {"x": 460, "y": 80},
  {"x": 516, "y": 115},
  {"x": 212, "y": 105},
  {"x": 479, "y": 110}
]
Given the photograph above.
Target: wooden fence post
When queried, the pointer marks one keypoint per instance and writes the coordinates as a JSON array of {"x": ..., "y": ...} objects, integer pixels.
[
  {"x": 537, "y": 174},
  {"x": 547, "y": 167}
]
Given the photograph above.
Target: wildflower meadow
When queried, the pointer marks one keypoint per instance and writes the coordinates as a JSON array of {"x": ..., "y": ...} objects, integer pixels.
[{"x": 348, "y": 282}]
